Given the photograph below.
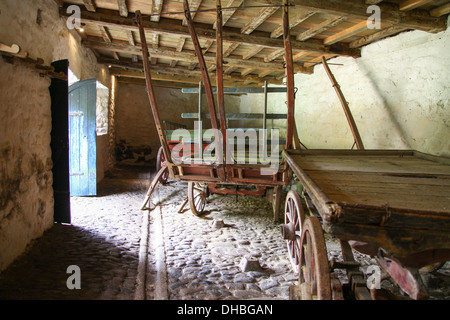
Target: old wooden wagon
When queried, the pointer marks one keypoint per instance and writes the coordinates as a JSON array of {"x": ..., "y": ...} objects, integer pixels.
[
  {"x": 392, "y": 205},
  {"x": 219, "y": 171}
]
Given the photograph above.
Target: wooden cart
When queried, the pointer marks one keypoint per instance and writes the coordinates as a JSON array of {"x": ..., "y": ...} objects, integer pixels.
[
  {"x": 207, "y": 176},
  {"x": 393, "y": 205}
]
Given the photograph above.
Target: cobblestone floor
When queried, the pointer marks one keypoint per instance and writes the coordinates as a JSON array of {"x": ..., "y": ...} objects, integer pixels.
[{"x": 187, "y": 257}]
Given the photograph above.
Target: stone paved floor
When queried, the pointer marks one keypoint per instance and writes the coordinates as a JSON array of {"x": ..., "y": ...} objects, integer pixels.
[{"x": 187, "y": 257}]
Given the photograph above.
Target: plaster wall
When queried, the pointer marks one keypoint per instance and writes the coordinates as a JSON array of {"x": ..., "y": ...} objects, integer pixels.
[{"x": 398, "y": 92}]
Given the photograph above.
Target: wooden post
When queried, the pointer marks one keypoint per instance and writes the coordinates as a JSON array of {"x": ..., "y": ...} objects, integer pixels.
[
  {"x": 220, "y": 91},
  {"x": 151, "y": 95},
  {"x": 289, "y": 75},
  {"x": 344, "y": 103},
  {"x": 206, "y": 79}
]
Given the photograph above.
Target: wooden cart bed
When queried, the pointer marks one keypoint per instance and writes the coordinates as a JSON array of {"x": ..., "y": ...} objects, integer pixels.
[{"x": 398, "y": 199}]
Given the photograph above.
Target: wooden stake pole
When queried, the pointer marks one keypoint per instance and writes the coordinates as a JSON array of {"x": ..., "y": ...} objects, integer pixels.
[{"x": 344, "y": 103}]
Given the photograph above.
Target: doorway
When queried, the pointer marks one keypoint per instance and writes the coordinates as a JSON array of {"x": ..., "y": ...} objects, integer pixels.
[{"x": 82, "y": 138}]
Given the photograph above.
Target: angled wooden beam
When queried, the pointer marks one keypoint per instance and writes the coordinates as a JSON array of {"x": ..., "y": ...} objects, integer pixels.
[
  {"x": 123, "y": 8},
  {"x": 193, "y": 5},
  {"x": 247, "y": 71},
  {"x": 389, "y": 31},
  {"x": 369, "y": 2},
  {"x": 391, "y": 14},
  {"x": 254, "y": 23},
  {"x": 105, "y": 34},
  {"x": 347, "y": 33},
  {"x": 412, "y": 4},
  {"x": 252, "y": 52},
  {"x": 90, "y": 5},
  {"x": 227, "y": 14},
  {"x": 157, "y": 6},
  {"x": 112, "y": 19},
  {"x": 440, "y": 11},
  {"x": 321, "y": 27},
  {"x": 190, "y": 56},
  {"x": 274, "y": 55},
  {"x": 295, "y": 21},
  {"x": 230, "y": 48}
]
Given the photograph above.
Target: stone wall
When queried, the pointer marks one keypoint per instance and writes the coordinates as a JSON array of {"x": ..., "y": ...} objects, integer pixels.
[{"x": 26, "y": 193}]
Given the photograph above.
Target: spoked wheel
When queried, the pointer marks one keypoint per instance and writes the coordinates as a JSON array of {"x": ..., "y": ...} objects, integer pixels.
[
  {"x": 161, "y": 162},
  {"x": 314, "y": 276},
  {"x": 197, "y": 194},
  {"x": 292, "y": 229}
]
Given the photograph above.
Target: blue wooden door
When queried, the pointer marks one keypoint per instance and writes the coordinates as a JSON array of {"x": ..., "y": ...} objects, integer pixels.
[{"x": 82, "y": 138}]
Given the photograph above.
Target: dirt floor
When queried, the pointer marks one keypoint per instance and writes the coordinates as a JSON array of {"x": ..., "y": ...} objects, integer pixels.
[{"x": 127, "y": 253}]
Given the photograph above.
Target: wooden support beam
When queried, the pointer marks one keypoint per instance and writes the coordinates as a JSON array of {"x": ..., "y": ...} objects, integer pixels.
[
  {"x": 131, "y": 69},
  {"x": 247, "y": 71},
  {"x": 254, "y": 23},
  {"x": 90, "y": 5},
  {"x": 370, "y": 2},
  {"x": 347, "y": 33},
  {"x": 252, "y": 52},
  {"x": 193, "y": 5},
  {"x": 171, "y": 27},
  {"x": 293, "y": 22},
  {"x": 389, "y": 31},
  {"x": 227, "y": 14},
  {"x": 230, "y": 48},
  {"x": 321, "y": 27},
  {"x": 123, "y": 8},
  {"x": 391, "y": 13},
  {"x": 440, "y": 11},
  {"x": 105, "y": 34},
  {"x": 190, "y": 56},
  {"x": 157, "y": 6},
  {"x": 344, "y": 103},
  {"x": 274, "y": 55},
  {"x": 412, "y": 4},
  {"x": 289, "y": 76}
]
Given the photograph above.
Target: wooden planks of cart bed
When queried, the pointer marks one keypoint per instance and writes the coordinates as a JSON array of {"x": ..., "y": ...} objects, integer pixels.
[{"x": 383, "y": 196}]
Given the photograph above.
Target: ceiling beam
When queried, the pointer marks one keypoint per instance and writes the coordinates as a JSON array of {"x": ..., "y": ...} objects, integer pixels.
[
  {"x": 157, "y": 6},
  {"x": 189, "y": 56},
  {"x": 257, "y": 20},
  {"x": 293, "y": 22},
  {"x": 112, "y": 19},
  {"x": 227, "y": 14},
  {"x": 321, "y": 27},
  {"x": 390, "y": 31},
  {"x": 391, "y": 14},
  {"x": 347, "y": 33},
  {"x": 412, "y": 4},
  {"x": 90, "y": 5},
  {"x": 193, "y": 6},
  {"x": 440, "y": 11},
  {"x": 123, "y": 8}
]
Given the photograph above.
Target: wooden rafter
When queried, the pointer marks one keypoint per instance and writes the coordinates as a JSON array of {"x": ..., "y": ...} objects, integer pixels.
[
  {"x": 414, "y": 19},
  {"x": 347, "y": 33},
  {"x": 295, "y": 21},
  {"x": 90, "y": 5},
  {"x": 254, "y": 23},
  {"x": 227, "y": 14},
  {"x": 157, "y": 6},
  {"x": 321, "y": 27},
  {"x": 440, "y": 11},
  {"x": 189, "y": 56},
  {"x": 123, "y": 8},
  {"x": 412, "y": 4},
  {"x": 168, "y": 26},
  {"x": 193, "y": 5},
  {"x": 377, "y": 36}
]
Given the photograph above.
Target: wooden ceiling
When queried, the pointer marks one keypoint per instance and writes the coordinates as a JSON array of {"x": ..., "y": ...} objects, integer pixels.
[{"x": 252, "y": 34}]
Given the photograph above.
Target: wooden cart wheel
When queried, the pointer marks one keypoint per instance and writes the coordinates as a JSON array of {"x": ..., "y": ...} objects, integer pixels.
[
  {"x": 197, "y": 194},
  {"x": 314, "y": 275},
  {"x": 161, "y": 162},
  {"x": 294, "y": 217}
]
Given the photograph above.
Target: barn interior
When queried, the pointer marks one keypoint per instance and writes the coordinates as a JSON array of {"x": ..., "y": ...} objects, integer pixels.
[{"x": 390, "y": 60}]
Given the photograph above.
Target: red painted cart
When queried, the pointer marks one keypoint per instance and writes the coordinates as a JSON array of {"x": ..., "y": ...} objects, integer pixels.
[{"x": 215, "y": 174}]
